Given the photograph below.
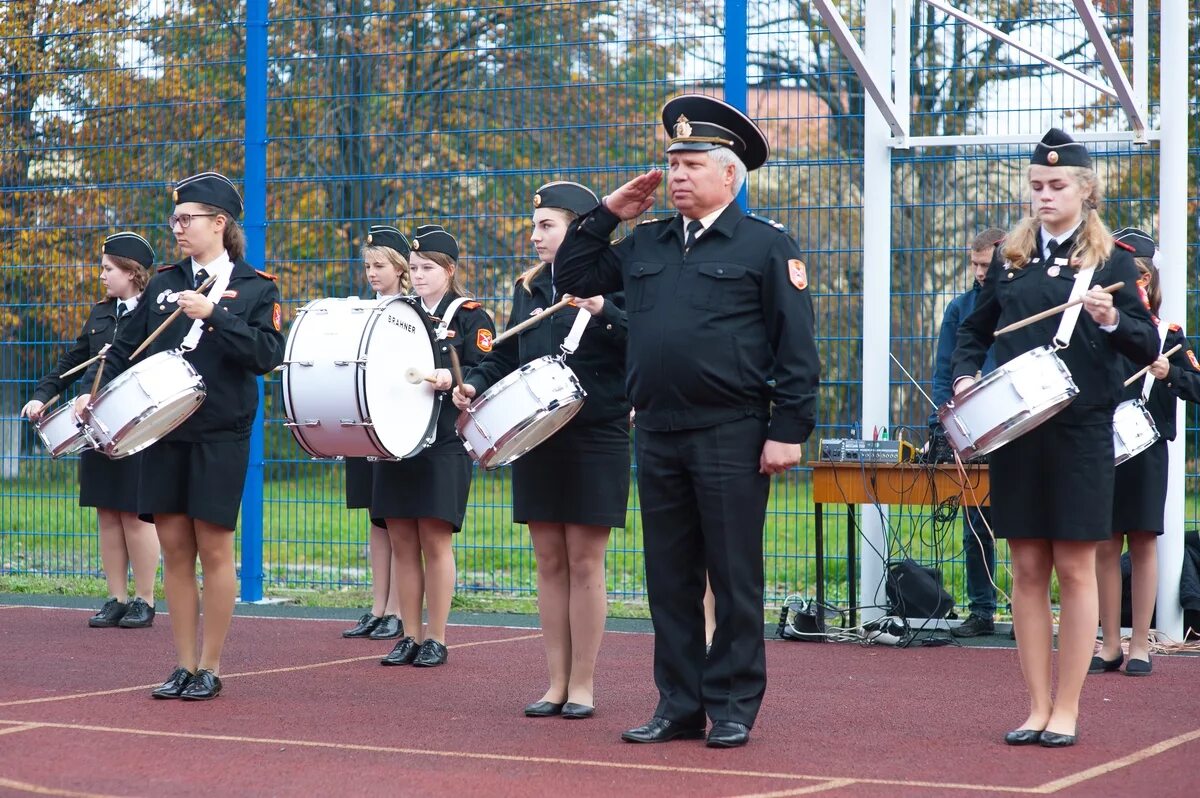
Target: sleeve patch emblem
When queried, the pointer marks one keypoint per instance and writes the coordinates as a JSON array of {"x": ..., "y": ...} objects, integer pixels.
[
  {"x": 798, "y": 274},
  {"x": 277, "y": 317},
  {"x": 1192, "y": 360},
  {"x": 483, "y": 340}
]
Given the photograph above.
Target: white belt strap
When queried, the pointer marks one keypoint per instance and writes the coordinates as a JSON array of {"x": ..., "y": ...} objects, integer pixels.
[
  {"x": 214, "y": 296},
  {"x": 1066, "y": 326},
  {"x": 444, "y": 325},
  {"x": 1148, "y": 382},
  {"x": 571, "y": 343}
]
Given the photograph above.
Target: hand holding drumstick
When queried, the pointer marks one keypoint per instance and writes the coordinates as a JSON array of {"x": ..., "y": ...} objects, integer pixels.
[{"x": 1098, "y": 303}]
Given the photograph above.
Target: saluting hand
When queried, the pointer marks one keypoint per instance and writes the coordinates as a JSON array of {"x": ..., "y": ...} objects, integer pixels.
[
  {"x": 635, "y": 197},
  {"x": 462, "y": 395},
  {"x": 778, "y": 457},
  {"x": 33, "y": 409},
  {"x": 195, "y": 305},
  {"x": 1160, "y": 368}
]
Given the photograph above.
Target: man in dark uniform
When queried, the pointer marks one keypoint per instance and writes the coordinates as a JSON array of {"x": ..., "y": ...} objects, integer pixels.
[{"x": 723, "y": 374}]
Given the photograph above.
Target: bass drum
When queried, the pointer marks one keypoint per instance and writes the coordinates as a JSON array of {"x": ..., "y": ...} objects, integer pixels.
[{"x": 345, "y": 390}]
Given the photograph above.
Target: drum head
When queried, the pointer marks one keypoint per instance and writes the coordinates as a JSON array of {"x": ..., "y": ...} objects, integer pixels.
[
  {"x": 154, "y": 425},
  {"x": 525, "y": 437},
  {"x": 404, "y": 414}
]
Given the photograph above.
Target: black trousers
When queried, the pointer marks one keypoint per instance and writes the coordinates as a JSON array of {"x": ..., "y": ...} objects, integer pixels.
[{"x": 703, "y": 506}]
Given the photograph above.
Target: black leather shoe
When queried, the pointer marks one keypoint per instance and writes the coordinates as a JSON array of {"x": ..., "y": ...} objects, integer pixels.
[
  {"x": 366, "y": 624},
  {"x": 1023, "y": 737},
  {"x": 1138, "y": 667},
  {"x": 1049, "y": 739},
  {"x": 110, "y": 614},
  {"x": 573, "y": 711},
  {"x": 974, "y": 626},
  {"x": 661, "y": 730},
  {"x": 138, "y": 615},
  {"x": 431, "y": 654},
  {"x": 403, "y": 654},
  {"x": 543, "y": 709},
  {"x": 389, "y": 627},
  {"x": 204, "y": 686},
  {"x": 1101, "y": 665},
  {"x": 728, "y": 734},
  {"x": 173, "y": 686}
]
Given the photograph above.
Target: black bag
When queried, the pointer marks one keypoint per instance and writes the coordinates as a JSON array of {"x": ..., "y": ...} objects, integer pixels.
[{"x": 914, "y": 591}]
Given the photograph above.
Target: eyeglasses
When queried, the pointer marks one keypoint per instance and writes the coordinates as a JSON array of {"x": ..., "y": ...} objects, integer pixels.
[{"x": 184, "y": 220}]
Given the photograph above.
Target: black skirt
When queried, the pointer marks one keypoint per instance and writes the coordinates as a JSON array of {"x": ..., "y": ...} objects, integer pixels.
[
  {"x": 203, "y": 481},
  {"x": 1054, "y": 482},
  {"x": 579, "y": 476},
  {"x": 358, "y": 483},
  {"x": 434, "y": 484},
  {"x": 109, "y": 484},
  {"x": 1140, "y": 495}
]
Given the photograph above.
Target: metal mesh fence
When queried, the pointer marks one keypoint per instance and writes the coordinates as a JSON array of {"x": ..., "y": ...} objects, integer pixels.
[{"x": 454, "y": 112}]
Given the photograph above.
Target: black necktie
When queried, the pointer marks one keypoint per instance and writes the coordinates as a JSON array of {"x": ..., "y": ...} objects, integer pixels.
[
  {"x": 1051, "y": 245},
  {"x": 121, "y": 310},
  {"x": 201, "y": 276},
  {"x": 693, "y": 230}
]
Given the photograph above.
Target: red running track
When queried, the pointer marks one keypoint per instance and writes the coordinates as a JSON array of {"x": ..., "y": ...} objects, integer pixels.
[{"x": 304, "y": 712}]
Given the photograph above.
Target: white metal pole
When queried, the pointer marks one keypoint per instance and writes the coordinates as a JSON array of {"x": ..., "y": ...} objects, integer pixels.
[
  {"x": 877, "y": 277},
  {"x": 1173, "y": 220}
]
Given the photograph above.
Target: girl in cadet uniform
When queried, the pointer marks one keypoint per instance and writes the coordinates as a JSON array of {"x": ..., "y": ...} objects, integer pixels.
[
  {"x": 111, "y": 485},
  {"x": 1052, "y": 488},
  {"x": 191, "y": 480},
  {"x": 423, "y": 499},
  {"x": 385, "y": 260},
  {"x": 1141, "y": 483},
  {"x": 573, "y": 488}
]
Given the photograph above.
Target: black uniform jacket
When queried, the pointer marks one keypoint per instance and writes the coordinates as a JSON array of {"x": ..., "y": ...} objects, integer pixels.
[
  {"x": 241, "y": 339},
  {"x": 599, "y": 362},
  {"x": 709, "y": 330},
  {"x": 470, "y": 333},
  {"x": 1182, "y": 382},
  {"x": 99, "y": 329},
  {"x": 1009, "y": 295}
]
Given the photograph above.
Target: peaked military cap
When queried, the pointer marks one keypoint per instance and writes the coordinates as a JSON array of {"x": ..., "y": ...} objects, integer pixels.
[
  {"x": 698, "y": 123},
  {"x": 130, "y": 245},
  {"x": 211, "y": 188},
  {"x": 1058, "y": 149},
  {"x": 382, "y": 235},
  {"x": 573, "y": 197},
  {"x": 1142, "y": 244},
  {"x": 434, "y": 238}
]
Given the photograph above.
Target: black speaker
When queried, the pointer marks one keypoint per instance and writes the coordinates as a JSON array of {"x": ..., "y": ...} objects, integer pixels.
[{"x": 914, "y": 591}]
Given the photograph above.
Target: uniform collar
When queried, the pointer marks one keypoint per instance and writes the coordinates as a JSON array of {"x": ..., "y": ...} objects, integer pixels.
[
  {"x": 442, "y": 304},
  {"x": 219, "y": 265},
  {"x": 1044, "y": 236},
  {"x": 723, "y": 221}
]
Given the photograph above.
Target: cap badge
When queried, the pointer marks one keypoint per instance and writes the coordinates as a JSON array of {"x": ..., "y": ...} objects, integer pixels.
[
  {"x": 416, "y": 244},
  {"x": 1052, "y": 157},
  {"x": 537, "y": 200},
  {"x": 175, "y": 195},
  {"x": 370, "y": 238},
  {"x": 683, "y": 128}
]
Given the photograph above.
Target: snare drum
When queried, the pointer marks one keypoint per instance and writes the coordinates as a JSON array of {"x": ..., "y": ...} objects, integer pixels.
[
  {"x": 1008, "y": 402},
  {"x": 520, "y": 411},
  {"x": 61, "y": 433},
  {"x": 1134, "y": 430},
  {"x": 143, "y": 404},
  {"x": 345, "y": 390}
]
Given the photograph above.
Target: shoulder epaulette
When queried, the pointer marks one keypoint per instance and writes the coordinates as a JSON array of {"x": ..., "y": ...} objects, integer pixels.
[
  {"x": 1123, "y": 245},
  {"x": 471, "y": 305},
  {"x": 267, "y": 275},
  {"x": 655, "y": 220},
  {"x": 1173, "y": 327},
  {"x": 765, "y": 220},
  {"x": 168, "y": 267}
]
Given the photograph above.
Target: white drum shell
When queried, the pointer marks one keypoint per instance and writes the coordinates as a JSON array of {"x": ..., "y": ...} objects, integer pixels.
[
  {"x": 345, "y": 391},
  {"x": 144, "y": 403},
  {"x": 1134, "y": 430},
  {"x": 61, "y": 433},
  {"x": 520, "y": 411},
  {"x": 1018, "y": 396}
]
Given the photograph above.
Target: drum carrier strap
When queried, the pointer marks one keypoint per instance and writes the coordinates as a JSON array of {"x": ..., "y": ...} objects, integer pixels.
[
  {"x": 571, "y": 342},
  {"x": 1066, "y": 326},
  {"x": 444, "y": 325},
  {"x": 1148, "y": 382},
  {"x": 214, "y": 296}
]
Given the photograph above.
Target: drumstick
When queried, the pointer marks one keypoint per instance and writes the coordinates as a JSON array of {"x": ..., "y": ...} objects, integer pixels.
[
  {"x": 511, "y": 331},
  {"x": 1142, "y": 372},
  {"x": 456, "y": 368},
  {"x": 150, "y": 338},
  {"x": 80, "y": 367},
  {"x": 1045, "y": 314},
  {"x": 102, "y": 357},
  {"x": 415, "y": 376}
]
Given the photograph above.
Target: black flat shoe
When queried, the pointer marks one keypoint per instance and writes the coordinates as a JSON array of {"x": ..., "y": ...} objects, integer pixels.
[
  {"x": 543, "y": 709},
  {"x": 204, "y": 686},
  {"x": 109, "y": 615},
  {"x": 573, "y": 711},
  {"x": 431, "y": 654},
  {"x": 662, "y": 730},
  {"x": 1049, "y": 739},
  {"x": 1101, "y": 665},
  {"x": 388, "y": 628},
  {"x": 138, "y": 615},
  {"x": 728, "y": 734},
  {"x": 1138, "y": 667},
  {"x": 174, "y": 685},
  {"x": 403, "y": 653},
  {"x": 366, "y": 624},
  {"x": 1023, "y": 737}
]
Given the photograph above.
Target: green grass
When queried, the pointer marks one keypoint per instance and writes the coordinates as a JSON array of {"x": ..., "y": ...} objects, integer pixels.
[{"x": 316, "y": 551}]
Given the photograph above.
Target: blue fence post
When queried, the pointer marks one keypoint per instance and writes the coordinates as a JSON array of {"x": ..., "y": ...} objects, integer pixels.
[
  {"x": 735, "y": 66},
  {"x": 255, "y": 185}
]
